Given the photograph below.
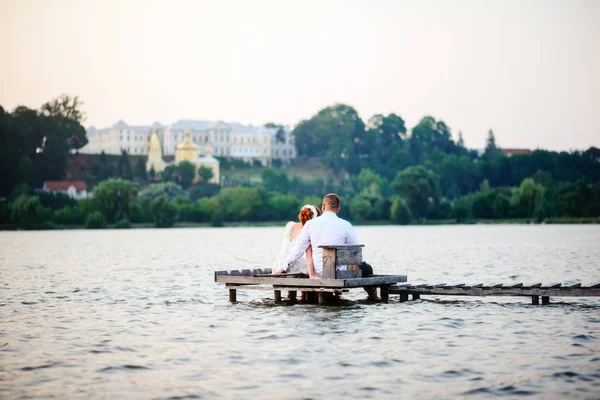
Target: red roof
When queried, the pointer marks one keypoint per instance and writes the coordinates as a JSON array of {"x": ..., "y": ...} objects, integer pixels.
[
  {"x": 64, "y": 185},
  {"x": 515, "y": 151}
]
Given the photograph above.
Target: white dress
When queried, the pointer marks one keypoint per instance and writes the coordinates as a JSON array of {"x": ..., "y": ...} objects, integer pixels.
[{"x": 287, "y": 243}]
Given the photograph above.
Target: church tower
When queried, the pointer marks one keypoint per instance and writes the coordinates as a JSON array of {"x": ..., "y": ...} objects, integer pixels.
[{"x": 155, "y": 154}]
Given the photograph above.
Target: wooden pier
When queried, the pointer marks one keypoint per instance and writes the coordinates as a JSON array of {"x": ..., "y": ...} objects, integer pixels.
[
  {"x": 535, "y": 291},
  {"x": 335, "y": 282},
  {"x": 332, "y": 282}
]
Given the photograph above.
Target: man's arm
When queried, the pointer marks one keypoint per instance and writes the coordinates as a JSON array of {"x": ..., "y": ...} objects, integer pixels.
[{"x": 299, "y": 248}]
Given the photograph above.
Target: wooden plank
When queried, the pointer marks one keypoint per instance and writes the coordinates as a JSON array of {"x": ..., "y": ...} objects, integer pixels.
[
  {"x": 348, "y": 274},
  {"x": 285, "y": 288},
  {"x": 493, "y": 285},
  {"x": 328, "y": 263},
  {"x": 271, "y": 280},
  {"x": 348, "y": 256},
  {"x": 513, "y": 285},
  {"x": 552, "y": 285},
  {"x": 220, "y": 273},
  {"x": 454, "y": 285},
  {"x": 593, "y": 286},
  {"x": 555, "y": 292},
  {"x": 375, "y": 280},
  {"x": 531, "y": 285},
  {"x": 572, "y": 286},
  {"x": 474, "y": 286},
  {"x": 341, "y": 246}
]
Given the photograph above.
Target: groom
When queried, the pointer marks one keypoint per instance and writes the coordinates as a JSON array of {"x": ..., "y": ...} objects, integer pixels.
[{"x": 328, "y": 229}]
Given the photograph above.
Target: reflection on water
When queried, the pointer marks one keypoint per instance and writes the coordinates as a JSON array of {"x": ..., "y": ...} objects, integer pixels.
[{"x": 123, "y": 314}]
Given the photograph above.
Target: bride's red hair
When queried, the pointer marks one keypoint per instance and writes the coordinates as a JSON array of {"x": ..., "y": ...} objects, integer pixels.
[{"x": 307, "y": 214}]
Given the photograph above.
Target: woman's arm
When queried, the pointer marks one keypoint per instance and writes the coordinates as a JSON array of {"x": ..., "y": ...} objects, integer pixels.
[{"x": 310, "y": 265}]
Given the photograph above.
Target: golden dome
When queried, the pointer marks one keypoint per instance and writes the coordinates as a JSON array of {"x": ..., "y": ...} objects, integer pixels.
[
  {"x": 186, "y": 144},
  {"x": 186, "y": 150}
]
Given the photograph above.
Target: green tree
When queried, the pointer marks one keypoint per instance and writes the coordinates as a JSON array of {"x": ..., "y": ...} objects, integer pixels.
[
  {"x": 171, "y": 174},
  {"x": 205, "y": 174},
  {"x": 360, "y": 208},
  {"x": 335, "y": 133},
  {"x": 168, "y": 190},
  {"x": 114, "y": 198},
  {"x": 419, "y": 187},
  {"x": 490, "y": 147},
  {"x": 124, "y": 167},
  {"x": 399, "y": 212},
  {"x": 165, "y": 213},
  {"x": 140, "y": 170},
  {"x": 187, "y": 173},
  {"x": 96, "y": 220},
  {"x": 26, "y": 211},
  {"x": 461, "y": 209},
  {"x": 204, "y": 190},
  {"x": 370, "y": 183},
  {"x": 283, "y": 206}
]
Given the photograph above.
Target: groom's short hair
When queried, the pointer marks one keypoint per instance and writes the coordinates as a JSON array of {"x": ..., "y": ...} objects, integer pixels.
[{"x": 332, "y": 201}]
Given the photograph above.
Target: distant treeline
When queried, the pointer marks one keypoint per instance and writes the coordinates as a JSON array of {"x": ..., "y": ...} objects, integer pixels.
[{"x": 382, "y": 173}]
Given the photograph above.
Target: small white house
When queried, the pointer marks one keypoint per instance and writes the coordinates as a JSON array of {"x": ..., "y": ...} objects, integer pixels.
[{"x": 75, "y": 189}]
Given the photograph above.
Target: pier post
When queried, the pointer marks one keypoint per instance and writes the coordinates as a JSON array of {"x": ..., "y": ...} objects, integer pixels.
[
  {"x": 535, "y": 300},
  {"x": 232, "y": 295},
  {"x": 384, "y": 292},
  {"x": 403, "y": 297},
  {"x": 321, "y": 296},
  {"x": 292, "y": 295},
  {"x": 545, "y": 300},
  {"x": 277, "y": 296},
  {"x": 416, "y": 296}
]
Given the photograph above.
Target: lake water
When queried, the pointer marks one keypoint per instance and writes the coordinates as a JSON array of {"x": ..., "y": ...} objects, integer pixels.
[{"x": 136, "y": 314}]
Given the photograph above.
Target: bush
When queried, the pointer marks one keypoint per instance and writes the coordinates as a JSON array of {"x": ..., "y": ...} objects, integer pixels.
[
  {"x": 68, "y": 216},
  {"x": 204, "y": 190},
  {"x": 123, "y": 224},
  {"x": 56, "y": 200},
  {"x": 96, "y": 220},
  {"x": 189, "y": 212},
  {"x": 400, "y": 213},
  {"x": 360, "y": 209},
  {"x": 461, "y": 209},
  {"x": 26, "y": 211},
  {"x": 45, "y": 226},
  {"x": 168, "y": 190},
  {"x": 218, "y": 218},
  {"x": 165, "y": 213}
]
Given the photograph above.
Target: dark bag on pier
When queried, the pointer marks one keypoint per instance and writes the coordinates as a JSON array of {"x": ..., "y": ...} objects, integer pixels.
[{"x": 366, "y": 269}]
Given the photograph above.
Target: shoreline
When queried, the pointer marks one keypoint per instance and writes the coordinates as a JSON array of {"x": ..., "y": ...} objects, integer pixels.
[{"x": 261, "y": 224}]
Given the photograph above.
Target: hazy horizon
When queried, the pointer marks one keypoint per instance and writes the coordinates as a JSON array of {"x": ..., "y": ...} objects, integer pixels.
[{"x": 526, "y": 69}]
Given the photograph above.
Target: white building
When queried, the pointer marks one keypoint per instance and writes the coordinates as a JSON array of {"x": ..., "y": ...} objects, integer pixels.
[
  {"x": 134, "y": 139},
  {"x": 225, "y": 140},
  {"x": 74, "y": 189}
]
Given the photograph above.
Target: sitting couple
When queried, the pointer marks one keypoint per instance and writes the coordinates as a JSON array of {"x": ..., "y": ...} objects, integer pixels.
[{"x": 300, "y": 251}]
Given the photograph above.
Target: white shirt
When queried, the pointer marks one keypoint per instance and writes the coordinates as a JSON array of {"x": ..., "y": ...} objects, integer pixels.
[{"x": 327, "y": 229}]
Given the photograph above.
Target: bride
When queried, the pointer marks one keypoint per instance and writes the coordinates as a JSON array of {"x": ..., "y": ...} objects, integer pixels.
[{"x": 292, "y": 230}]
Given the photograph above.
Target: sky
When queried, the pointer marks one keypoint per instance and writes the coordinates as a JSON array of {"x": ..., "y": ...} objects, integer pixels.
[{"x": 529, "y": 70}]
